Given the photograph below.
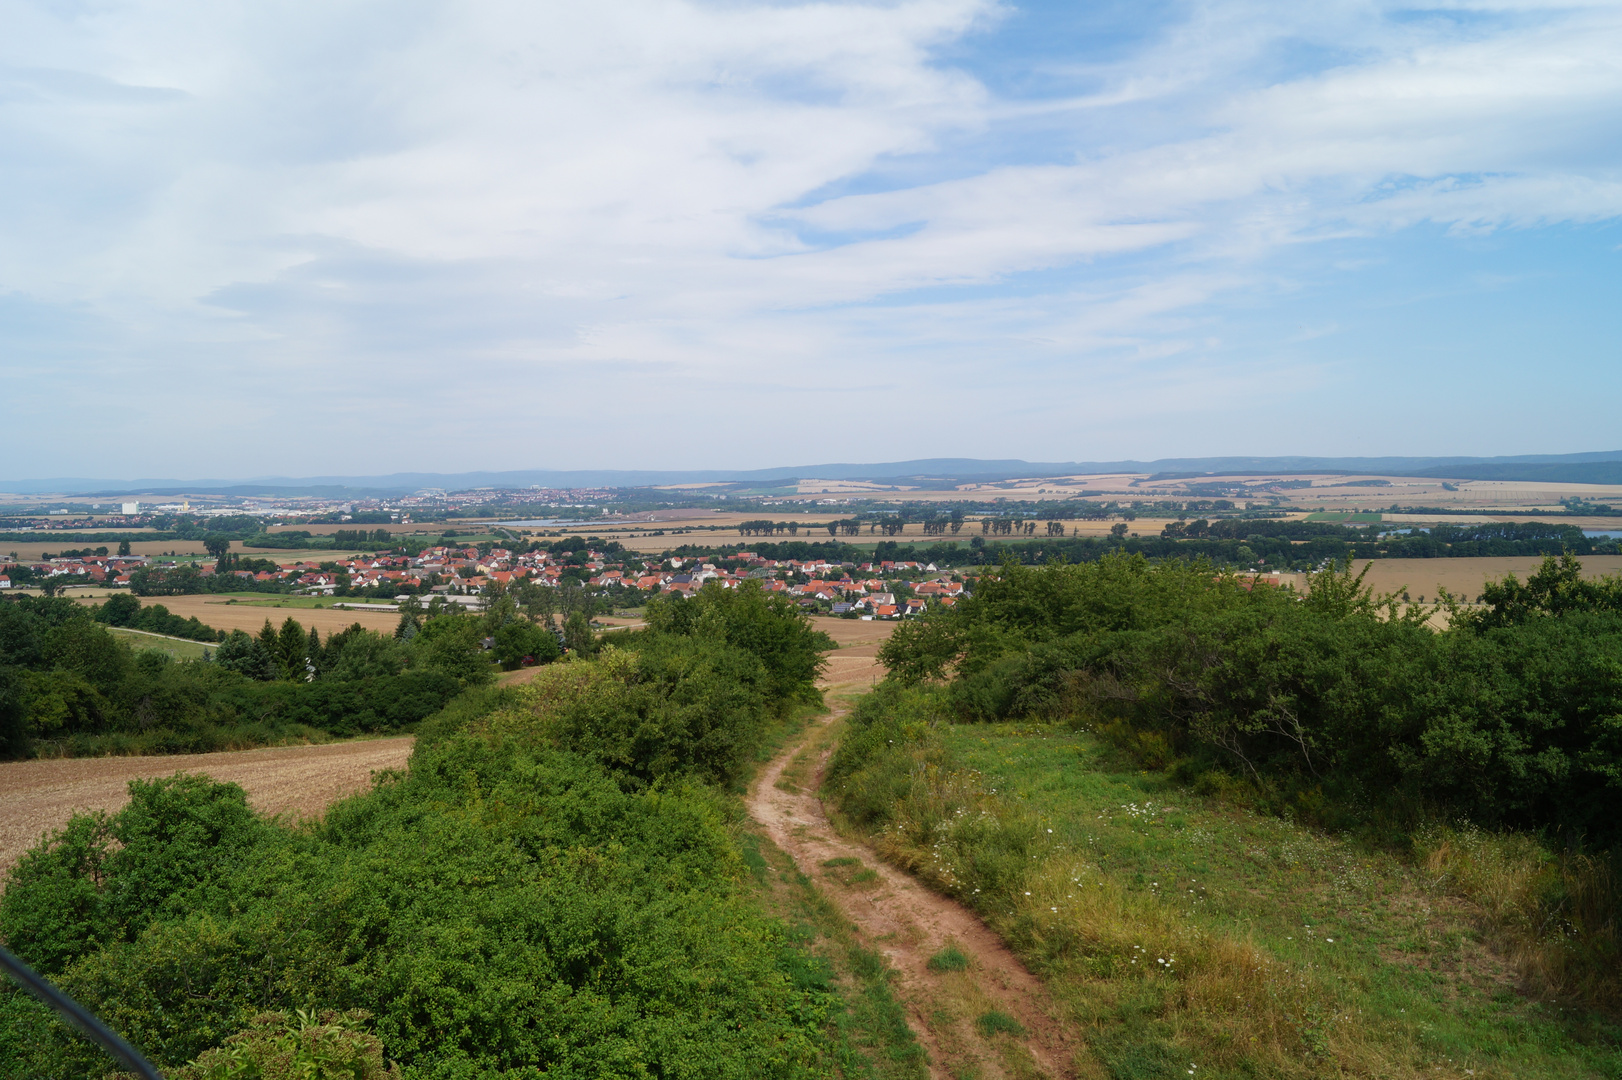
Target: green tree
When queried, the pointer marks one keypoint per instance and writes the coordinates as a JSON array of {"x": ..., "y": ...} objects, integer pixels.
[
  {"x": 519, "y": 639},
  {"x": 291, "y": 642},
  {"x": 410, "y": 620},
  {"x": 243, "y": 654},
  {"x": 577, "y": 635},
  {"x": 450, "y": 642},
  {"x": 120, "y": 610},
  {"x": 123, "y": 547}
]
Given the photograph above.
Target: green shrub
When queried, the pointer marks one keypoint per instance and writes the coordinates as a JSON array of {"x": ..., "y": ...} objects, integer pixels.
[
  {"x": 101, "y": 880},
  {"x": 1343, "y": 702},
  {"x": 500, "y": 907},
  {"x": 662, "y": 707},
  {"x": 332, "y": 1046}
]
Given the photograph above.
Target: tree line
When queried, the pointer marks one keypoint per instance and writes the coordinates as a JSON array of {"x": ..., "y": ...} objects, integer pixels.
[{"x": 69, "y": 687}]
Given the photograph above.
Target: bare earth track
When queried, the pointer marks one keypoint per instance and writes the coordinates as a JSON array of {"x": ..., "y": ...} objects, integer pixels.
[
  {"x": 908, "y": 923},
  {"x": 37, "y": 797}
]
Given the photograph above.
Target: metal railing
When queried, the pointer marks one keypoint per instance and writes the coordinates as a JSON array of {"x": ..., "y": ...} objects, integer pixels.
[{"x": 80, "y": 1017}]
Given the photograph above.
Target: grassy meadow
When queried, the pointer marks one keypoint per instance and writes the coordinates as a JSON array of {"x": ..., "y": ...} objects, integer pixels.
[
  {"x": 178, "y": 648},
  {"x": 1186, "y": 936}
]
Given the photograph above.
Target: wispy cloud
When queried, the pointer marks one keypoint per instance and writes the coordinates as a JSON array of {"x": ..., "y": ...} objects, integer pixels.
[{"x": 508, "y": 221}]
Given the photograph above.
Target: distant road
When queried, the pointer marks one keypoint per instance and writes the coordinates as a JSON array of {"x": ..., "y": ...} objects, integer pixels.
[{"x": 39, "y": 796}]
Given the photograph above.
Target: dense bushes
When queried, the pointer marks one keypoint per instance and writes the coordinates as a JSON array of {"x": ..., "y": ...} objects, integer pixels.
[
  {"x": 1340, "y": 701},
  {"x": 770, "y": 627},
  {"x": 553, "y": 889},
  {"x": 67, "y": 686},
  {"x": 500, "y": 911},
  {"x": 690, "y": 696}
]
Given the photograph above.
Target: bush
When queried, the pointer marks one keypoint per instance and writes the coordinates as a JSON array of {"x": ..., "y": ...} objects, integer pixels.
[
  {"x": 499, "y": 908},
  {"x": 332, "y": 1046},
  {"x": 771, "y": 628},
  {"x": 662, "y": 707},
  {"x": 1343, "y": 698}
]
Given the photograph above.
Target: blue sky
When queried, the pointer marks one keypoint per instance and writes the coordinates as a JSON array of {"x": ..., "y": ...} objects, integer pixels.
[{"x": 357, "y": 237}]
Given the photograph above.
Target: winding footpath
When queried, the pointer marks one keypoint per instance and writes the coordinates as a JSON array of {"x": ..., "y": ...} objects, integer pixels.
[{"x": 908, "y": 923}]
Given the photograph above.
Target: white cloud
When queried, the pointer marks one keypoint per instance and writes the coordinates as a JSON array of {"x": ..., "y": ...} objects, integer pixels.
[{"x": 724, "y": 195}]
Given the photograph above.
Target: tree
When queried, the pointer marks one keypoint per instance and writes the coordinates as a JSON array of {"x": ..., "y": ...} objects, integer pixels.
[
  {"x": 123, "y": 547},
  {"x": 410, "y": 619},
  {"x": 217, "y": 545},
  {"x": 1118, "y": 530},
  {"x": 518, "y": 640},
  {"x": 577, "y": 635},
  {"x": 243, "y": 654},
  {"x": 539, "y": 602},
  {"x": 120, "y": 610},
  {"x": 290, "y": 644}
]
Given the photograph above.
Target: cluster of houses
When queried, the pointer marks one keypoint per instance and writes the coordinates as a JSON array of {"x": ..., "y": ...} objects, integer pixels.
[
  {"x": 860, "y": 589},
  {"x": 97, "y": 569},
  {"x": 834, "y": 585}
]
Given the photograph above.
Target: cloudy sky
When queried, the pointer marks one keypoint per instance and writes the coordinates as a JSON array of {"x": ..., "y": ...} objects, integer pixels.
[{"x": 351, "y": 237}]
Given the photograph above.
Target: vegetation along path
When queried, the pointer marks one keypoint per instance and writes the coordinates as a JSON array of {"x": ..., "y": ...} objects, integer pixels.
[{"x": 971, "y": 1002}]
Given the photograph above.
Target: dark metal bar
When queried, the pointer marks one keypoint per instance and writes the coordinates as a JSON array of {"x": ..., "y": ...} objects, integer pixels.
[{"x": 79, "y": 1016}]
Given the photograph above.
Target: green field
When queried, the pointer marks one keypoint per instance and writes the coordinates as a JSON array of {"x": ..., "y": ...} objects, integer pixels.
[
  {"x": 1186, "y": 935},
  {"x": 179, "y": 648}
]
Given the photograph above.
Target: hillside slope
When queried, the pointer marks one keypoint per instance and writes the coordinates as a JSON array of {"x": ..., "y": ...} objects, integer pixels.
[{"x": 1184, "y": 937}]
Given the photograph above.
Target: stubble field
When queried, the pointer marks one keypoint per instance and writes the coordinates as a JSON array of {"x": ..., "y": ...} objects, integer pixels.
[{"x": 301, "y": 781}]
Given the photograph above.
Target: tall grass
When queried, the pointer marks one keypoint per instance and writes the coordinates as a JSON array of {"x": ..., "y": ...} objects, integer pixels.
[
  {"x": 1077, "y": 924},
  {"x": 1554, "y": 913},
  {"x": 1291, "y": 955}
]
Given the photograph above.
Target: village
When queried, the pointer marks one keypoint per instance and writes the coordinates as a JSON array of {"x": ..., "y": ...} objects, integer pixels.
[{"x": 882, "y": 590}]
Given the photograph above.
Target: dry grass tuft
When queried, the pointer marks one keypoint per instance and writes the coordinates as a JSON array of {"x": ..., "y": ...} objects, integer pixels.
[{"x": 1554, "y": 914}]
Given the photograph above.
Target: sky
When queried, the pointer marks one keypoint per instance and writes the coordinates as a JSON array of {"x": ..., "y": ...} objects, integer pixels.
[{"x": 350, "y": 237}]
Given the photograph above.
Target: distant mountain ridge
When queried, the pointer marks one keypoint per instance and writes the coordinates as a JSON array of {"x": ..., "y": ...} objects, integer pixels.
[{"x": 1600, "y": 467}]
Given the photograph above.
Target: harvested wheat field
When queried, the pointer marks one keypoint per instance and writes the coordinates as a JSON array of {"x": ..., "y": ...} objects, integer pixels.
[
  {"x": 1465, "y": 577},
  {"x": 37, "y": 797},
  {"x": 217, "y": 612},
  {"x": 853, "y": 667}
]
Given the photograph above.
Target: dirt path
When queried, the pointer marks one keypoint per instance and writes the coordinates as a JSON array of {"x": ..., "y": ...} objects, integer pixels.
[
  {"x": 909, "y": 924},
  {"x": 39, "y": 796}
]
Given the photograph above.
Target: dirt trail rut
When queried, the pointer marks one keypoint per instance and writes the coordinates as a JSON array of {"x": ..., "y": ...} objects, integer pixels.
[{"x": 908, "y": 924}]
